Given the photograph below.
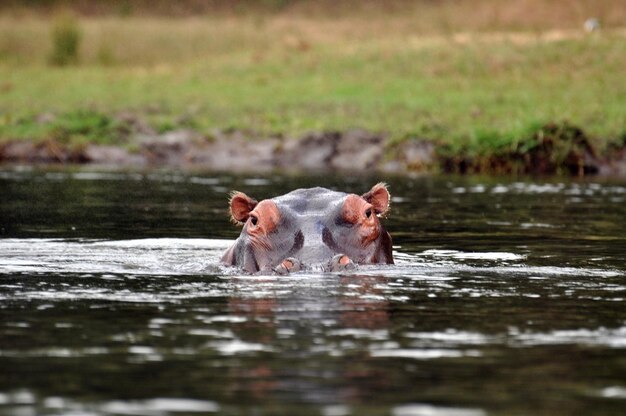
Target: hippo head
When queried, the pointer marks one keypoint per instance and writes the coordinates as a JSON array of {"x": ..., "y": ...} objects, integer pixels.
[{"x": 311, "y": 227}]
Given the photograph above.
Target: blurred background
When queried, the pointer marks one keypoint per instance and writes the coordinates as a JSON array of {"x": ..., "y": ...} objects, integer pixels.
[{"x": 476, "y": 75}]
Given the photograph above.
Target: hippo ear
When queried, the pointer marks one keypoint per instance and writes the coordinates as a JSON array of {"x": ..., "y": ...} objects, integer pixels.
[
  {"x": 379, "y": 197},
  {"x": 240, "y": 206}
]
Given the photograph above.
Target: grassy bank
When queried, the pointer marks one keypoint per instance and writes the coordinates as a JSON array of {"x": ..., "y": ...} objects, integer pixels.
[{"x": 469, "y": 87}]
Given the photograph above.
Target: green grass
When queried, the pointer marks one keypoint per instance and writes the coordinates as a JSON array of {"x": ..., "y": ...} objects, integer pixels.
[{"x": 474, "y": 92}]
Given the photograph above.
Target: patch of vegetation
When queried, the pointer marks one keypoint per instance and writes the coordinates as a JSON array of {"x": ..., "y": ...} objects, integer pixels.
[
  {"x": 66, "y": 37},
  {"x": 72, "y": 128},
  {"x": 88, "y": 126},
  {"x": 555, "y": 148}
]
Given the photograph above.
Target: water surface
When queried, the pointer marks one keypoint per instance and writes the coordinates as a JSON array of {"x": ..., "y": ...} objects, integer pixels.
[{"x": 507, "y": 297}]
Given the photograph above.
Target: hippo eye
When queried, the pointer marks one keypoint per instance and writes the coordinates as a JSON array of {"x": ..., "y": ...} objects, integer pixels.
[
  {"x": 254, "y": 220},
  {"x": 368, "y": 213}
]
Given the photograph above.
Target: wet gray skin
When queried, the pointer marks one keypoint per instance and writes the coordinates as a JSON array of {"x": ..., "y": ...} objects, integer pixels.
[{"x": 310, "y": 228}]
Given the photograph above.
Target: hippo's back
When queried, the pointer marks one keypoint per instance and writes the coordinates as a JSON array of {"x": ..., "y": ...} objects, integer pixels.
[{"x": 311, "y": 201}]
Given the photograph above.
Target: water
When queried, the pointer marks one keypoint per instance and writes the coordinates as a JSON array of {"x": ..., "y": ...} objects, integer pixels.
[{"x": 508, "y": 297}]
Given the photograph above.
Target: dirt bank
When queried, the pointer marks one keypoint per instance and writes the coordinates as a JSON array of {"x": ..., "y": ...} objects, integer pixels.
[
  {"x": 354, "y": 150},
  {"x": 554, "y": 149}
]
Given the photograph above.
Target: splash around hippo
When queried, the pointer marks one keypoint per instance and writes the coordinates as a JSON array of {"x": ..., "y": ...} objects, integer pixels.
[{"x": 314, "y": 227}]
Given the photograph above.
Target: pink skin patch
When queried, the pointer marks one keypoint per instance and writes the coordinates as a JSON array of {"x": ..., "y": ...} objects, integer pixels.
[
  {"x": 240, "y": 207},
  {"x": 264, "y": 218},
  {"x": 344, "y": 260},
  {"x": 362, "y": 214},
  {"x": 259, "y": 218},
  {"x": 379, "y": 197}
]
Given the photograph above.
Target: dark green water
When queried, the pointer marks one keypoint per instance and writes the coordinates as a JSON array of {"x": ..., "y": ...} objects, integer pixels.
[{"x": 508, "y": 297}]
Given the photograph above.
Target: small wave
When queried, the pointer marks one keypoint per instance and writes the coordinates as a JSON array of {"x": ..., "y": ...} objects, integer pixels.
[
  {"x": 613, "y": 392},
  {"x": 26, "y": 400},
  {"x": 503, "y": 256},
  {"x": 157, "y": 256},
  {"x": 430, "y": 410},
  {"x": 613, "y": 338},
  {"x": 166, "y": 243},
  {"x": 423, "y": 353}
]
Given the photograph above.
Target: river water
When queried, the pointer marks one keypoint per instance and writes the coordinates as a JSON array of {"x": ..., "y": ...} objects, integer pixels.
[{"x": 507, "y": 297}]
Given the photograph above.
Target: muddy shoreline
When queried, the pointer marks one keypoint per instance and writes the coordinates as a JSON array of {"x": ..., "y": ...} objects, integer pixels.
[{"x": 555, "y": 149}]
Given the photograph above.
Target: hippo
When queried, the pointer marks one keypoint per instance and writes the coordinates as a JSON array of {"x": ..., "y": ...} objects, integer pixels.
[{"x": 310, "y": 228}]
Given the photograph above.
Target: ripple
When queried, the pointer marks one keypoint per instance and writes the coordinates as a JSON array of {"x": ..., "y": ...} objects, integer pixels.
[
  {"x": 428, "y": 410},
  {"x": 423, "y": 353},
  {"x": 157, "y": 256},
  {"x": 56, "y": 352},
  {"x": 450, "y": 337},
  {"x": 613, "y": 392},
  {"x": 237, "y": 347},
  {"x": 159, "y": 405},
  {"x": 26, "y": 402},
  {"x": 474, "y": 255},
  {"x": 613, "y": 338}
]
